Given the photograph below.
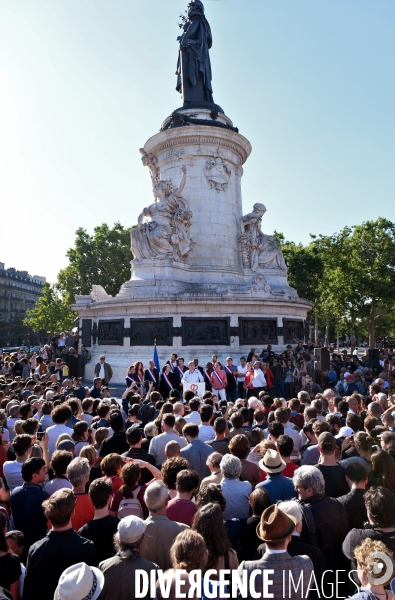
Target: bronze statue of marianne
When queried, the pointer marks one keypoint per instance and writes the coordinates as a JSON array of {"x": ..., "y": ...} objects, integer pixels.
[{"x": 194, "y": 67}]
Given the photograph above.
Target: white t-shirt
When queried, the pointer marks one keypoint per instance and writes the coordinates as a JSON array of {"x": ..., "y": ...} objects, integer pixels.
[
  {"x": 53, "y": 433},
  {"x": 296, "y": 437},
  {"x": 193, "y": 417},
  {"x": 241, "y": 370},
  {"x": 102, "y": 372},
  {"x": 10, "y": 426},
  {"x": 206, "y": 433},
  {"x": 13, "y": 473}
]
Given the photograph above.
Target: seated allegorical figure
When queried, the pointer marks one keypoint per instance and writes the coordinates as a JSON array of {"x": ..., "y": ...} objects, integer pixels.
[
  {"x": 259, "y": 249},
  {"x": 165, "y": 234}
]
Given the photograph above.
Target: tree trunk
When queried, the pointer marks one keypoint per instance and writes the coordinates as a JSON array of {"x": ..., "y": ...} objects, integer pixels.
[
  {"x": 372, "y": 338},
  {"x": 316, "y": 328},
  {"x": 352, "y": 334},
  {"x": 327, "y": 330},
  {"x": 337, "y": 337}
]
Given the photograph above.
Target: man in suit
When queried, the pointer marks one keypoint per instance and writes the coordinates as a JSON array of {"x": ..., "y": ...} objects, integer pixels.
[
  {"x": 276, "y": 529},
  {"x": 103, "y": 370},
  {"x": 152, "y": 375},
  {"x": 298, "y": 547},
  {"x": 197, "y": 366},
  {"x": 179, "y": 373},
  {"x": 172, "y": 362}
]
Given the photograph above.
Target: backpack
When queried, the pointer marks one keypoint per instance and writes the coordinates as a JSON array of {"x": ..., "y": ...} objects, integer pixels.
[{"x": 130, "y": 506}]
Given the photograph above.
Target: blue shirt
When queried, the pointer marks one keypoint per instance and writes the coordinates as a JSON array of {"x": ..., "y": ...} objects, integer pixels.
[
  {"x": 236, "y": 494},
  {"x": 278, "y": 487},
  {"x": 196, "y": 454}
]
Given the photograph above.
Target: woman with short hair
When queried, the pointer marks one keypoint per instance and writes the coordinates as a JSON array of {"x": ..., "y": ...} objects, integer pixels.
[{"x": 236, "y": 492}]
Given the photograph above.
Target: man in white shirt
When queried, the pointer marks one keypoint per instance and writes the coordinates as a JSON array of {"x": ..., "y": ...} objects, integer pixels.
[
  {"x": 259, "y": 381},
  {"x": 193, "y": 375},
  {"x": 12, "y": 469},
  {"x": 193, "y": 416},
  {"x": 241, "y": 371},
  {"x": 206, "y": 432},
  {"x": 60, "y": 415}
]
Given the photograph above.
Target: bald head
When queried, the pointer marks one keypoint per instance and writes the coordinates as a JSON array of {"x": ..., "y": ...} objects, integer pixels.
[{"x": 172, "y": 449}]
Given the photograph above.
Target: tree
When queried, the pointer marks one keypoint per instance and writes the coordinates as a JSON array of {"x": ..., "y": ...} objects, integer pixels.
[
  {"x": 358, "y": 281},
  {"x": 304, "y": 265},
  {"x": 373, "y": 262},
  {"x": 99, "y": 259},
  {"x": 51, "y": 313}
]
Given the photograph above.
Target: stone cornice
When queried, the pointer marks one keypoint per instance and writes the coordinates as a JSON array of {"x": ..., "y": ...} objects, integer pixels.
[{"x": 199, "y": 135}]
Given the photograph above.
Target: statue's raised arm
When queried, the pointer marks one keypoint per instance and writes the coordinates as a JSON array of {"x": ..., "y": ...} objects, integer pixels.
[{"x": 182, "y": 183}]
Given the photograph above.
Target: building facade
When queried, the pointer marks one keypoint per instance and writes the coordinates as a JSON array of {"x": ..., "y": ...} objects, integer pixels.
[{"x": 19, "y": 292}]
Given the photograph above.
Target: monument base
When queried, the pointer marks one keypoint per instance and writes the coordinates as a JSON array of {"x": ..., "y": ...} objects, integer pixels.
[
  {"x": 205, "y": 279},
  {"x": 194, "y": 325}
]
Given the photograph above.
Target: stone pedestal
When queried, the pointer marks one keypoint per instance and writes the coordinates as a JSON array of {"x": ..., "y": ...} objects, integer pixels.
[
  {"x": 205, "y": 279},
  {"x": 190, "y": 325}
]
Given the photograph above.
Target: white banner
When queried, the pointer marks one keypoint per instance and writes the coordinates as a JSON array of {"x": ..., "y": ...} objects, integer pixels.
[{"x": 196, "y": 388}]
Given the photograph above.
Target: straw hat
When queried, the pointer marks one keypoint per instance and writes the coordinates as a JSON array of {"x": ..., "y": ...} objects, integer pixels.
[
  {"x": 80, "y": 582},
  {"x": 272, "y": 462}
]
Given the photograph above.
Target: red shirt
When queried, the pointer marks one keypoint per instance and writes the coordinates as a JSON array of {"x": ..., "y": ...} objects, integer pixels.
[
  {"x": 117, "y": 497},
  {"x": 181, "y": 511},
  {"x": 249, "y": 376},
  {"x": 84, "y": 511},
  {"x": 269, "y": 378},
  {"x": 116, "y": 482},
  {"x": 297, "y": 420},
  {"x": 290, "y": 470}
]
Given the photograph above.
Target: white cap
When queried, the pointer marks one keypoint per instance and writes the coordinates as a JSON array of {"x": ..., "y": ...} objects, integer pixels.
[
  {"x": 80, "y": 582},
  {"x": 344, "y": 432},
  {"x": 131, "y": 529}
]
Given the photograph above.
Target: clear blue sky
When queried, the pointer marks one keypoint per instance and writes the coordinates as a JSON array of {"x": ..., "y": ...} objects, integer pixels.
[{"x": 86, "y": 82}]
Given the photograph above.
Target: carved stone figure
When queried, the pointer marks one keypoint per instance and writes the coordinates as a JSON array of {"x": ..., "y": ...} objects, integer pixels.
[
  {"x": 151, "y": 161},
  {"x": 194, "y": 67},
  {"x": 260, "y": 284},
  {"x": 259, "y": 251},
  {"x": 163, "y": 227},
  {"x": 218, "y": 173}
]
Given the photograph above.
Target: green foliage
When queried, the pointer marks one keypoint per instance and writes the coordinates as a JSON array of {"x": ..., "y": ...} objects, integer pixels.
[
  {"x": 349, "y": 276},
  {"x": 99, "y": 259},
  {"x": 51, "y": 313}
]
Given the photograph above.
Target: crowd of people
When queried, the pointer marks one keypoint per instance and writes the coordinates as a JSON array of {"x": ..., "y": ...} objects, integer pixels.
[{"x": 269, "y": 469}]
